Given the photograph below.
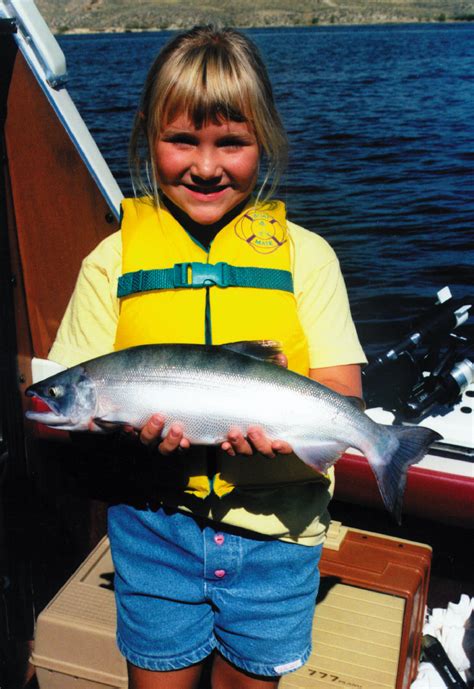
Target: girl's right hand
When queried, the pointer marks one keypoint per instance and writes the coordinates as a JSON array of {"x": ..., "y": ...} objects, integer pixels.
[{"x": 151, "y": 435}]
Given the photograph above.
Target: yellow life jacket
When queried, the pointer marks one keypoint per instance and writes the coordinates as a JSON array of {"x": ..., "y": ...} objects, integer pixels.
[
  {"x": 252, "y": 248},
  {"x": 172, "y": 292}
]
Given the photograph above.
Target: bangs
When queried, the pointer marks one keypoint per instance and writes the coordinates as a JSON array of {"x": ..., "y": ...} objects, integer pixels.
[{"x": 207, "y": 87}]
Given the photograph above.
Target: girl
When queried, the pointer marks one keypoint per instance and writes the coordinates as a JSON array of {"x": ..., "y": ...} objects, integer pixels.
[{"x": 223, "y": 557}]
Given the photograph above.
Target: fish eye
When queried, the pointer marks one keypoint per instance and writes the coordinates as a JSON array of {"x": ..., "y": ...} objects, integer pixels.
[{"x": 55, "y": 391}]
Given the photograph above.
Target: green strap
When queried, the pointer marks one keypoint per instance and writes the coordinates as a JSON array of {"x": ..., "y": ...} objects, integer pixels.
[{"x": 196, "y": 275}]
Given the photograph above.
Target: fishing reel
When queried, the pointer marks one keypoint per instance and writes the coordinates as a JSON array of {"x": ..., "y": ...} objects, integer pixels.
[
  {"x": 427, "y": 369},
  {"x": 442, "y": 388}
]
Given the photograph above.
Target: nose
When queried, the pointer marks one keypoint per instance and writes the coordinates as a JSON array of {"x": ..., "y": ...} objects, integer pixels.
[{"x": 206, "y": 165}]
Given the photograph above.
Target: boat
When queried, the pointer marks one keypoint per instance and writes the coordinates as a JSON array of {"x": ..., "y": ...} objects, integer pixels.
[
  {"x": 58, "y": 200},
  {"x": 426, "y": 379}
]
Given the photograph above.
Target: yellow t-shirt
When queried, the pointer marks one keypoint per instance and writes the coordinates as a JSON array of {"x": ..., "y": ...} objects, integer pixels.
[{"x": 294, "y": 512}]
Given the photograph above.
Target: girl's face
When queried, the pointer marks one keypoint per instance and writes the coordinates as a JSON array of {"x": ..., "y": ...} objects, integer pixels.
[{"x": 206, "y": 172}]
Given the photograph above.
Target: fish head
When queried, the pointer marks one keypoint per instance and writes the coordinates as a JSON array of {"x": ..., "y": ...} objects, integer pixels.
[{"x": 68, "y": 400}]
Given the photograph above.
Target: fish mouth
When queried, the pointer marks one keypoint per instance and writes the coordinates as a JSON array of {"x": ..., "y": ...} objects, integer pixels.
[
  {"x": 45, "y": 412},
  {"x": 48, "y": 418}
]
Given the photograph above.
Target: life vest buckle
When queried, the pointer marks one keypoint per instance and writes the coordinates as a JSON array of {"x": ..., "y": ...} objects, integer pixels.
[{"x": 200, "y": 275}]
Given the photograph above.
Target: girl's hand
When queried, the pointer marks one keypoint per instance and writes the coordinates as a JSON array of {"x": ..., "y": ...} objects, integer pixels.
[
  {"x": 150, "y": 435},
  {"x": 256, "y": 441}
]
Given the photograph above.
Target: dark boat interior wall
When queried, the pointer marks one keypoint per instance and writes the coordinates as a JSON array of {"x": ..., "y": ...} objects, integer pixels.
[
  {"x": 52, "y": 214},
  {"x": 60, "y": 214},
  {"x": 15, "y": 608}
]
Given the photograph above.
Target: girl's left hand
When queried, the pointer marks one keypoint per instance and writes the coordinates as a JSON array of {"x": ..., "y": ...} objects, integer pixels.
[{"x": 255, "y": 441}]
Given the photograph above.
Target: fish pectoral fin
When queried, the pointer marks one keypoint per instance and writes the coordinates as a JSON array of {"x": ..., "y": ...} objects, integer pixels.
[
  {"x": 320, "y": 456},
  {"x": 265, "y": 350},
  {"x": 105, "y": 425}
]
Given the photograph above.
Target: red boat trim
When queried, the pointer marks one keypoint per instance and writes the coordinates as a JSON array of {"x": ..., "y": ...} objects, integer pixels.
[{"x": 443, "y": 497}]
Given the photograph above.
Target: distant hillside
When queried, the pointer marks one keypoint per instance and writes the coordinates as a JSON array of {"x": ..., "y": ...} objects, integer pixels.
[{"x": 124, "y": 15}]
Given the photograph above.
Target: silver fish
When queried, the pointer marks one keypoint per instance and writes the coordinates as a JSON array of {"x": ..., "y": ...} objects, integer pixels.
[{"x": 209, "y": 389}]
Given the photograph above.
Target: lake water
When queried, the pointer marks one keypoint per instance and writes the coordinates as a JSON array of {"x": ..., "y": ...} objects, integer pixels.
[{"x": 381, "y": 128}]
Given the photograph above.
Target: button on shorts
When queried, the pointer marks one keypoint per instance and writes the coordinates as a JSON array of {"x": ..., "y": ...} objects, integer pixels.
[{"x": 186, "y": 586}]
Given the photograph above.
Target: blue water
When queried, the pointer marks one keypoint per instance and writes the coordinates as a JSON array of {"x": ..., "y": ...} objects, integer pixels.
[{"x": 381, "y": 128}]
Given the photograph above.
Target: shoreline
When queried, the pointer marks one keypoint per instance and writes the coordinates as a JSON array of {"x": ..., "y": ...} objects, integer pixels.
[{"x": 81, "y": 31}]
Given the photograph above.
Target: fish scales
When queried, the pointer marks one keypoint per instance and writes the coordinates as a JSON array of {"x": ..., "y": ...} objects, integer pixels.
[{"x": 215, "y": 391}]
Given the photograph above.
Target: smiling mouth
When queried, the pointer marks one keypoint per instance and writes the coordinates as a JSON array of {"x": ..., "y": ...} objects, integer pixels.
[{"x": 206, "y": 191}]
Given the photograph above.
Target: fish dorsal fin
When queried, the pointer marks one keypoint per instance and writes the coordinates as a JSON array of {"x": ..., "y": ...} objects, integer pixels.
[{"x": 265, "y": 350}]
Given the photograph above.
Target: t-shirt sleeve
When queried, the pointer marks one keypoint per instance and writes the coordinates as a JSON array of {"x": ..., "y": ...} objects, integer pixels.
[
  {"x": 88, "y": 327},
  {"x": 323, "y": 305}
]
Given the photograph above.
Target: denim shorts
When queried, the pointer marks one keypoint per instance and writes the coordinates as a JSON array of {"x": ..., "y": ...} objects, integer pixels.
[{"x": 186, "y": 586}]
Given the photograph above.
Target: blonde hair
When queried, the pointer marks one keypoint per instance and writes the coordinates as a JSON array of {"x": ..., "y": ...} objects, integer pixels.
[{"x": 209, "y": 74}]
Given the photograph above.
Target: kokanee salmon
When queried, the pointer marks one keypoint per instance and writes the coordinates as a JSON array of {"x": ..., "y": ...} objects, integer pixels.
[{"x": 210, "y": 389}]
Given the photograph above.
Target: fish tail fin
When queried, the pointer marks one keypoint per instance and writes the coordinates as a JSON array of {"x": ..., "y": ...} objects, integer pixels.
[{"x": 407, "y": 445}]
